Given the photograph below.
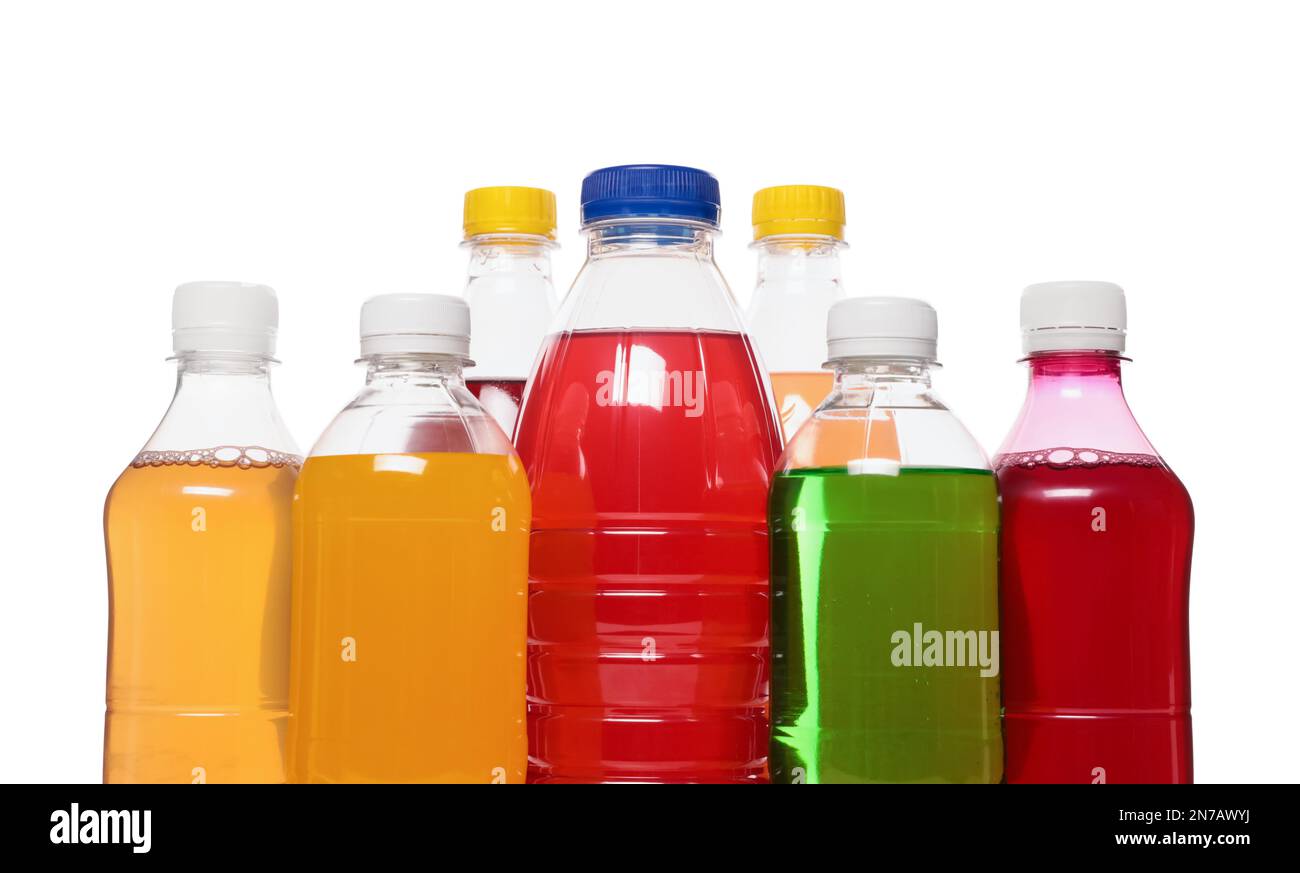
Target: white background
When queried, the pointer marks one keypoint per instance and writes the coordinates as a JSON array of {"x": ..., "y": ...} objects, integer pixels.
[{"x": 324, "y": 147}]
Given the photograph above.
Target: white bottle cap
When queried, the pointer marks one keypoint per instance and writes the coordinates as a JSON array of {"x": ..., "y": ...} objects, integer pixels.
[
  {"x": 224, "y": 317},
  {"x": 1058, "y": 316},
  {"x": 884, "y": 327},
  {"x": 417, "y": 324}
]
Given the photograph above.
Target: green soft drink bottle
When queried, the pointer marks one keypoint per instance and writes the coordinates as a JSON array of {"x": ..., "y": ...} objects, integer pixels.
[{"x": 884, "y": 522}]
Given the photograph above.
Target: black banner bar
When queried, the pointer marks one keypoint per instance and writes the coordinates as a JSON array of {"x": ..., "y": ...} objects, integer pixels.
[{"x": 618, "y": 825}]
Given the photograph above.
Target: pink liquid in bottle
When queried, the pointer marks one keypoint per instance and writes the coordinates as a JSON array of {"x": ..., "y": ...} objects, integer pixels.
[
  {"x": 649, "y": 451},
  {"x": 1095, "y": 664},
  {"x": 1096, "y": 559}
]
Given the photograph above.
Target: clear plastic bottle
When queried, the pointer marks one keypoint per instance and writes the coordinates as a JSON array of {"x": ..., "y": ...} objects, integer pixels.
[
  {"x": 649, "y": 437},
  {"x": 798, "y": 233},
  {"x": 509, "y": 232},
  {"x": 197, "y": 534},
  {"x": 1096, "y": 561},
  {"x": 411, "y": 521},
  {"x": 884, "y": 519}
]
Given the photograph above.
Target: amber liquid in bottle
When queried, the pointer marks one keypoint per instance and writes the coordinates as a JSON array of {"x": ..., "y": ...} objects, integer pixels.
[{"x": 199, "y": 574}]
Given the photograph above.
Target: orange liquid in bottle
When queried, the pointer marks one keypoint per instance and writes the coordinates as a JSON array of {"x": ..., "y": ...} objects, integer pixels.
[
  {"x": 198, "y": 661},
  {"x": 409, "y": 619},
  {"x": 797, "y": 395}
]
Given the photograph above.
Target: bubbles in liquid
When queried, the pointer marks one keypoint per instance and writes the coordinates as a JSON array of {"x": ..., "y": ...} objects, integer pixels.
[
  {"x": 243, "y": 457},
  {"x": 1063, "y": 457}
]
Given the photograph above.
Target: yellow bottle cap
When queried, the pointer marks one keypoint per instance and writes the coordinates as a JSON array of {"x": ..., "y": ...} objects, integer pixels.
[
  {"x": 510, "y": 209},
  {"x": 811, "y": 210}
]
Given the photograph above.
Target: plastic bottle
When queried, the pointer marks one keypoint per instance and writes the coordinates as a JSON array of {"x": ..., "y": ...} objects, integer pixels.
[
  {"x": 509, "y": 232},
  {"x": 411, "y": 525},
  {"x": 649, "y": 438},
  {"x": 197, "y": 533},
  {"x": 884, "y": 520},
  {"x": 798, "y": 233},
  {"x": 1096, "y": 559}
]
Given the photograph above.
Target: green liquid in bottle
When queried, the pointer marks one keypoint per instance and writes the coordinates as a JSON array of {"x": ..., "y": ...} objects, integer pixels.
[{"x": 860, "y": 693}]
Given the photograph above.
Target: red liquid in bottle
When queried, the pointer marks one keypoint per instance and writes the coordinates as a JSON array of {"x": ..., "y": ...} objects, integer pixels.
[
  {"x": 1096, "y": 555},
  {"x": 501, "y": 398},
  {"x": 649, "y": 454}
]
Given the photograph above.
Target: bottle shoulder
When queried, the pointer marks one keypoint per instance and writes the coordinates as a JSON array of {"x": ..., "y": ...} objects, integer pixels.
[
  {"x": 884, "y": 439},
  {"x": 204, "y": 419},
  {"x": 670, "y": 291},
  {"x": 413, "y": 419},
  {"x": 1078, "y": 407}
]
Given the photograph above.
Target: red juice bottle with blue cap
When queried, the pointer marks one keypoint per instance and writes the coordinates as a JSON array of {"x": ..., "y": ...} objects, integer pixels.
[
  {"x": 649, "y": 438},
  {"x": 1096, "y": 558}
]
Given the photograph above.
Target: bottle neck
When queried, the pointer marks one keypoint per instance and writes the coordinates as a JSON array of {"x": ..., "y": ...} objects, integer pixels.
[
  {"x": 412, "y": 403},
  {"x": 414, "y": 372},
  {"x": 800, "y": 265},
  {"x": 798, "y": 281},
  {"x": 874, "y": 381},
  {"x": 1076, "y": 400},
  {"x": 882, "y": 415},
  {"x": 512, "y": 257},
  {"x": 511, "y": 301},
  {"x": 222, "y": 400},
  {"x": 649, "y": 274},
  {"x": 649, "y": 236}
]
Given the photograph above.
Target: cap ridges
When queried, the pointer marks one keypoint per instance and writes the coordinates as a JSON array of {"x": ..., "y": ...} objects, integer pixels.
[{"x": 650, "y": 191}]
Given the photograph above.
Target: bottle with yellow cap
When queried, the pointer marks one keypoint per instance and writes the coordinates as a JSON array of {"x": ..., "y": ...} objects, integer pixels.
[
  {"x": 798, "y": 233},
  {"x": 509, "y": 232}
]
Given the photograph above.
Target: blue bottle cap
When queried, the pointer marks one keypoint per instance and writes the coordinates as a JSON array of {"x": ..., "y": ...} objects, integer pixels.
[{"x": 650, "y": 191}]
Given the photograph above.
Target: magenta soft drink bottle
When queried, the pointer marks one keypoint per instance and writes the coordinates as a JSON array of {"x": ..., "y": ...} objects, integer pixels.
[{"x": 1096, "y": 558}]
